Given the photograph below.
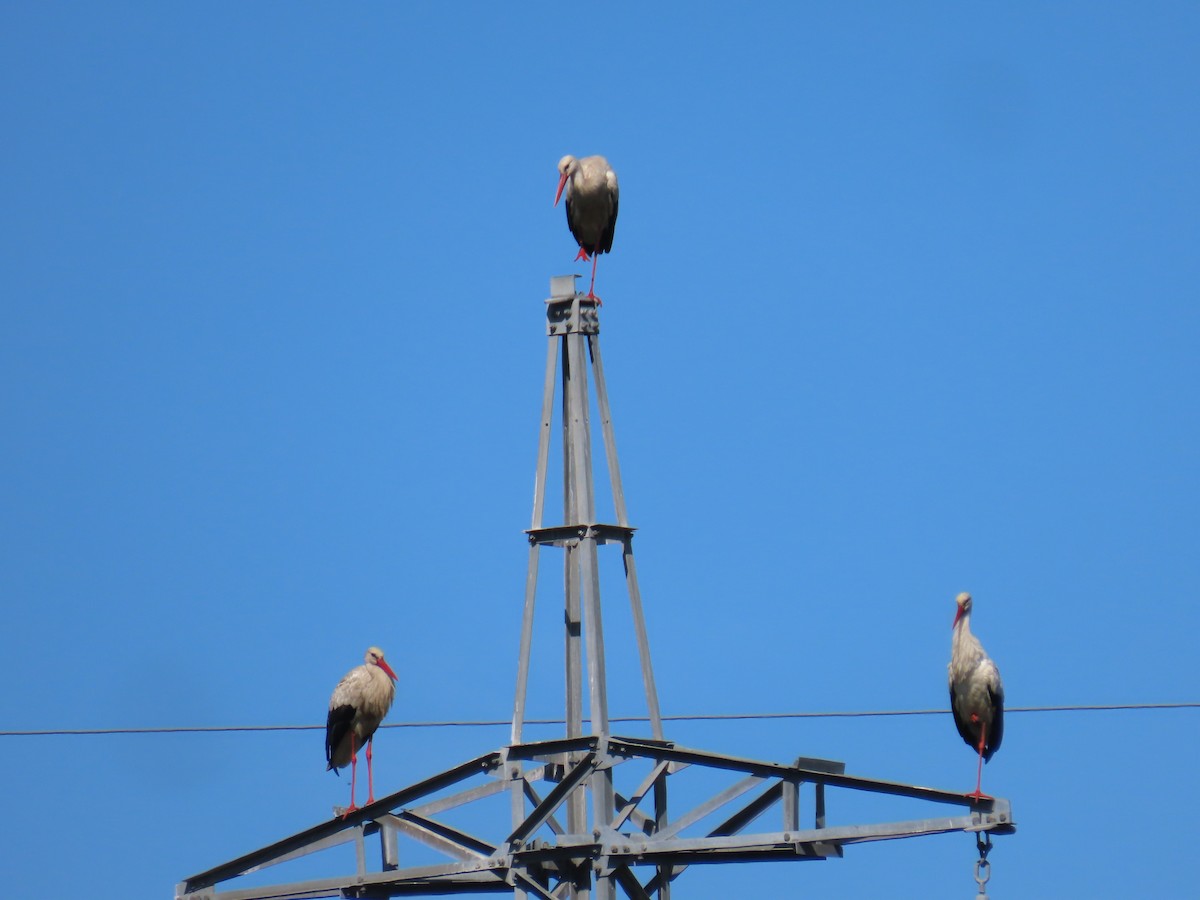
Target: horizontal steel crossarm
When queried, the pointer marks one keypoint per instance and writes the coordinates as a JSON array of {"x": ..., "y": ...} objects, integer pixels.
[
  {"x": 316, "y": 838},
  {"x": 788, "y": 843},
  {"x": 446, "y": 879},
  {"x": 559, "y": 535},
  {"x": 556, "y": 747},
  {"x": 824, "y": 775},
  {"x": 484, "y": 867}
]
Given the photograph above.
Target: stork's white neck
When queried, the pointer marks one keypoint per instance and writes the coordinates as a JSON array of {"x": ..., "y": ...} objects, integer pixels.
[{"x": 965, "y": 649}]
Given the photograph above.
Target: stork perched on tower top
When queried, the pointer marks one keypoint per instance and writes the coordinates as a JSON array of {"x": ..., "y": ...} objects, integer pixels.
[
  {"x": 976, "y": 694},
  {"x": 359, "y": 703},
  {"x": 592, "y": 195}
]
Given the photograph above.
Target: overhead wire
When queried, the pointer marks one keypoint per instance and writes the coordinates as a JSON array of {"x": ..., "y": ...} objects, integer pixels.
[{"x": 487, "y": 723}]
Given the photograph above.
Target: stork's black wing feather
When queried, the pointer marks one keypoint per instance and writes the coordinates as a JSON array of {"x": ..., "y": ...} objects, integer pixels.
[
  {"x": 606, "y": 239},
  {"x": 996, "y": 734},
  {"x": 604, "y": 245},
  {"x": 575, "y": 231},
  {"x": 963, "y": 727},
  {"x": 336, "y": 726}
]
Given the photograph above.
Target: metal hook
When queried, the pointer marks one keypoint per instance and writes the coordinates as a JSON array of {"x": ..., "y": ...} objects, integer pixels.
[{"x": 983, "y": 868}]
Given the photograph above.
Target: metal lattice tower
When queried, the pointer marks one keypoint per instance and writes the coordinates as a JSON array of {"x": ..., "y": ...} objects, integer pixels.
[
  {"x": 573, "y": 327},
  {"x": 634, "y": 843}
]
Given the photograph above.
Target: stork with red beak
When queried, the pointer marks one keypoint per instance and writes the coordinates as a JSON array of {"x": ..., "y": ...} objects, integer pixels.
[
  {"x": 592, "y": 194},
  {"x": 976, "y": 694},
  {"x": 359, "y": 702}
]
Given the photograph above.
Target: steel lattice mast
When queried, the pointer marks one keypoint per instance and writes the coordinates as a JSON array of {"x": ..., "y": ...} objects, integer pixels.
[
  {"x": 574, "y": 327},
  {"x": 635, "y": 844}
]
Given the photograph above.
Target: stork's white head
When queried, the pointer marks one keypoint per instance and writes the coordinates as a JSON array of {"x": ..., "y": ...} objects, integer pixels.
[
  {"x": 567, "y": 166},
  {"x": 964, "y": 606},
  {"x": 375, "y": 658}
]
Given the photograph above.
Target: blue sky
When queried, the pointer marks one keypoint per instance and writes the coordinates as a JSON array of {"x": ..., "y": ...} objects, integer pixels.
[{"x": 902, "y": 302}]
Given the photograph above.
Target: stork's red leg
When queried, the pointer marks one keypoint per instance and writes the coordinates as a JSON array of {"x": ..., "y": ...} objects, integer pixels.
[
  {"x": 370, "y": 777},
  {"x": 582, "y": 254},
  {"x": 979, "y": 794},
  {"x": 592, "y": 287},
  {"x": 353, "y": 773},
  {"x": 979, "y": 771}
]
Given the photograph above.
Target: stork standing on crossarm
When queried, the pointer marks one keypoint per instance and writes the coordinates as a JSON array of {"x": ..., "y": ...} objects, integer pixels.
[
  {"x": 592, "y": 194},
  {"x": 359, "y": 702},
  {"x": 976, "y": 694}
]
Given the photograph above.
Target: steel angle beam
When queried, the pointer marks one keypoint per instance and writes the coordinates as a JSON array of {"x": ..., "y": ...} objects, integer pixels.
[
  {"x": 554, "y": 800},
  {"x": 338, "y": 830},
  {"x": 440, "y": 836}
]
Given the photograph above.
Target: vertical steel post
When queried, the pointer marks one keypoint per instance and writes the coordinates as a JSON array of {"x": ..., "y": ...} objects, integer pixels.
[
  {"x": 573, "y": 616},
  {"x": 791, "y": 806},
  {"x": 577, "y": 456},
  {"x": 580, "y": 465},
  {"x": 661, "y": 820}
]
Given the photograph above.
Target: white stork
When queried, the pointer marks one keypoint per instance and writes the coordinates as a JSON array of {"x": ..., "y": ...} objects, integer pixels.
[
  {"x": 359, "y": 703},
  {"x": 592, "y": 195},
  {"x": 976, "y": 694}
]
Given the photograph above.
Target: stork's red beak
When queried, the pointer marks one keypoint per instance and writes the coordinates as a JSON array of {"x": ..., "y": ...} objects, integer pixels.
[
  {"x": 388, "y": 669},
  {"x": 957, "y": 615},
  {"x": 562, "y": 183}
]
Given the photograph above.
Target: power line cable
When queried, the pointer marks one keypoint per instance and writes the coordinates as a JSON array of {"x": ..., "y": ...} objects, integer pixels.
[{"x": 699, "y": 717}]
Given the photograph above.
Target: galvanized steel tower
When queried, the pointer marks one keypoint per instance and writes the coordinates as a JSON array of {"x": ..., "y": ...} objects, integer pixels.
[{"x": 629, "y": 840}]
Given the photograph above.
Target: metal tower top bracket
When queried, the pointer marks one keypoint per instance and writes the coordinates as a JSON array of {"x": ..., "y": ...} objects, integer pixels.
[{"x": 569, "y": 311}]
